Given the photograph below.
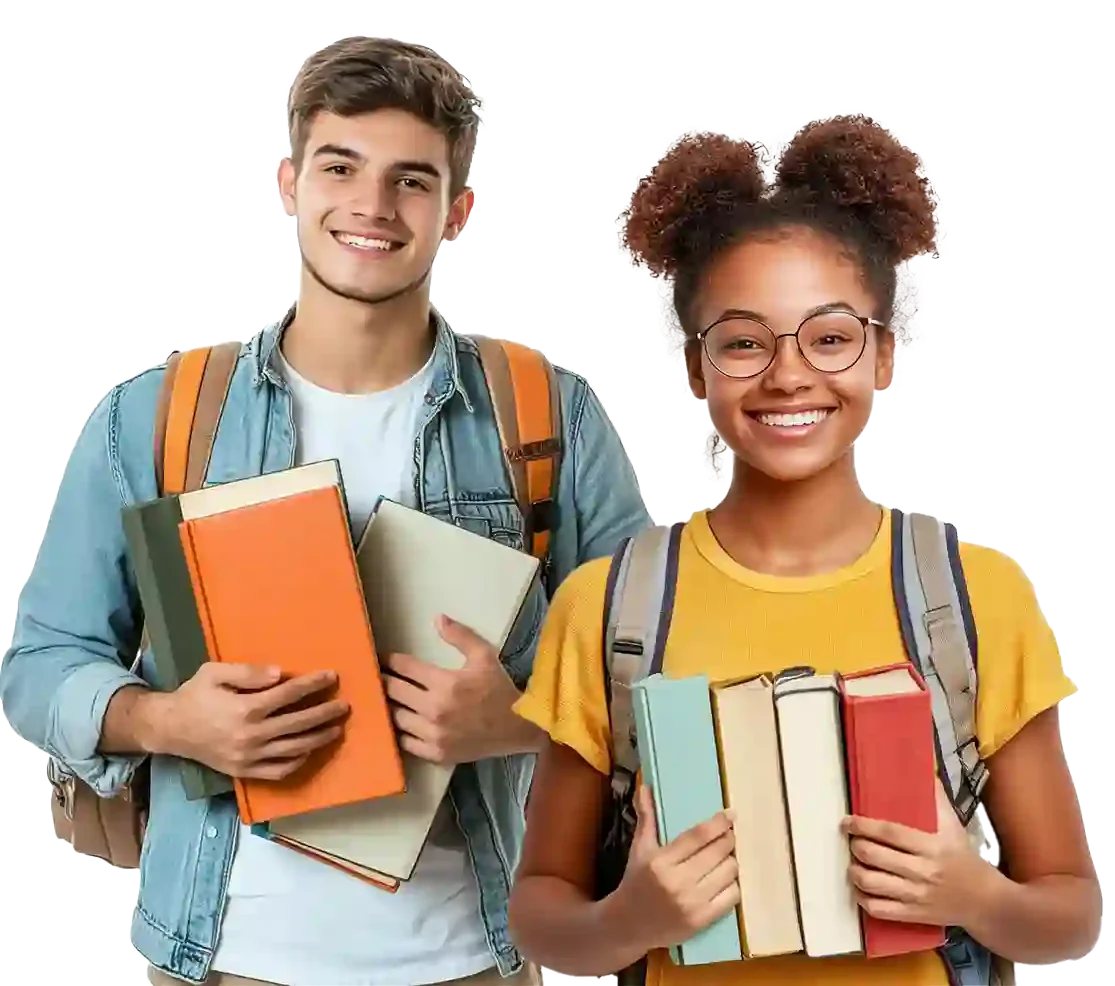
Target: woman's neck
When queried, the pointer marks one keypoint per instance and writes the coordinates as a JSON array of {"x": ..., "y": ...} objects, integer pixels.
[{"x": 806, "y": 527}]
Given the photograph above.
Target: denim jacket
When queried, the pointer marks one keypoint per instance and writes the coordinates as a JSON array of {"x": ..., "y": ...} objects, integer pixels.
[{"x": 78, "y": 619}]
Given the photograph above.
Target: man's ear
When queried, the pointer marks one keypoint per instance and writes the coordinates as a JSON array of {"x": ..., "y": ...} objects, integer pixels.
[
  {"x": 459, "y": 212},
  {"x": 287, "y": 176}
]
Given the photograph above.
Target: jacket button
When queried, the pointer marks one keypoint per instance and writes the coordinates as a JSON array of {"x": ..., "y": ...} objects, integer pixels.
[{"x": 211, "y": 832}]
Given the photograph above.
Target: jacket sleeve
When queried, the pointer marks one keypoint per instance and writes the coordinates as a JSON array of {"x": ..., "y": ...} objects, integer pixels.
[
  {"x": 77, "y": 619},
  {"x": 599, "y": 501}
]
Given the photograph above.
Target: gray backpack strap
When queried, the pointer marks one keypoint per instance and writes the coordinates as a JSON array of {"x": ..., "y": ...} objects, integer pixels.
[
  {"x": 638, "y": 606},
  {"x": 638, "y": 610},
  {"x": 940, "y": 639}
]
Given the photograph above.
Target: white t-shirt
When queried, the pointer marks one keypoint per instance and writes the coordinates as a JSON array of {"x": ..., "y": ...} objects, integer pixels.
[{"x": 297, "y": 922}]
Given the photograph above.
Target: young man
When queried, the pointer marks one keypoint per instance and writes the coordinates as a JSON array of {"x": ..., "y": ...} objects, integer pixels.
[{"x": 362, "y": 369}]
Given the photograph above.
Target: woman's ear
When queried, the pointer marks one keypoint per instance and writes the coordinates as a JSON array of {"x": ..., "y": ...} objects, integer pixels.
[
  {"x": 884, "y": 359},
  {"x": 695, "y": 366}
]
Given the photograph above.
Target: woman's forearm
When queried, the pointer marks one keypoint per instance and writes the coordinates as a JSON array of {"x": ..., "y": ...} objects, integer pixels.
[
  {"x": 554, "y": 924},
  {"x": 1046, "y": 920}
]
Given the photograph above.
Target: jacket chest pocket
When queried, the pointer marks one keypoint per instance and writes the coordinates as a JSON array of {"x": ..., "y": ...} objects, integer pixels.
[{"x": 497, "y": 518}]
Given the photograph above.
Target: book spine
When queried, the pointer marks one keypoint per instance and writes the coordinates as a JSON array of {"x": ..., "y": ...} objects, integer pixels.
[
  {"x": 154, "y": 615},
  {"x": 891, "y": 777},
  {"x": 189, "y": 552}
]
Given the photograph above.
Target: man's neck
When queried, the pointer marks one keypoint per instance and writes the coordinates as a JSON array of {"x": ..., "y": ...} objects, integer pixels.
[{"x": 353, "y": 348}]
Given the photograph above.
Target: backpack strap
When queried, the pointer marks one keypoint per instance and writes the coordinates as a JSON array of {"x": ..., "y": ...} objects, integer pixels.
[
  {"x": 639, "y": 603},
  {"x": 192, "y": 396},
  {"x": 939, "y": 634},
  {"x": 191, "y": 399},
  {"x": 524, "y": 392},
  {"x": 638, "y": 607}
]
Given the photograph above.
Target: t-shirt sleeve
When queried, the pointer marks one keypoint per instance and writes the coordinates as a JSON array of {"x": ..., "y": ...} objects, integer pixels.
[
  {"x": 1020, "y": 673},
  {"x": 565, "y": 694}
]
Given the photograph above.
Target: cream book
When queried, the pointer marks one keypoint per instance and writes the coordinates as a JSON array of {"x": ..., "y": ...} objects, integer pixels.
[
  {"x": 255, "y": 490},
  {"x": 415, "y": 567},
  {"x": 810, "y": 738},
  {"x": 751, "y": 775}
]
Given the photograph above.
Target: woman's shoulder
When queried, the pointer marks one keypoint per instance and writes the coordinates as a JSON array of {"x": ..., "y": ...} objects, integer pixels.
[
  {"x": 582, "y": 592},
  {"x": 994, "y": 578}
]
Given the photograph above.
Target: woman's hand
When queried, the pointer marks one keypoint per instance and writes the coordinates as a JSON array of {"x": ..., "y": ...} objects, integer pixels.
[
  {"x": 671, "y": 892},
  {"x": 904, "y": 874}
]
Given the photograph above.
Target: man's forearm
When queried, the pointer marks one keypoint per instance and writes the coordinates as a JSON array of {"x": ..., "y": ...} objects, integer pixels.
[
  {"x": 131, "y": 722},
  {"x": 558, "y": 928},
  {"x": 1046, "y": 920}
]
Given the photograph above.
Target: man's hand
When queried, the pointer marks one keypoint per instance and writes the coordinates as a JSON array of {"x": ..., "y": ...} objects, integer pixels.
[
  {"x": 238, "y": 719},
  {"x": 458, "y": 716}
]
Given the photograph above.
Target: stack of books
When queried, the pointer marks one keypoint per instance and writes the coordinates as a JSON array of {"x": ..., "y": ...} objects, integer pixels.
[
  {"x": 264, "y": 571},
  {"x": 792, "y": 755}
]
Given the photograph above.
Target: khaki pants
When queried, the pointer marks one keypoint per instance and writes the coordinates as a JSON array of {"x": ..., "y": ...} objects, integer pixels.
[{"x": 528, "y": 975}]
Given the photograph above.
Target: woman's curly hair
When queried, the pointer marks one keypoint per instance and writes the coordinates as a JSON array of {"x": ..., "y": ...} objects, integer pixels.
[{"x": 845, "y": 176}]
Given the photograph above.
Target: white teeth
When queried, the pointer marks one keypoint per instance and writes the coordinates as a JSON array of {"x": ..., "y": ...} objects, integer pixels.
[
  {"x": 794, "y": 420},
  {"x": 363, "y": 242}
]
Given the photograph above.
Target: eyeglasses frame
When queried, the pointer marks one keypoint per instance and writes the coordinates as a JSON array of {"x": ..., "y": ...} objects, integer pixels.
[{"x": 702, "y": 338}]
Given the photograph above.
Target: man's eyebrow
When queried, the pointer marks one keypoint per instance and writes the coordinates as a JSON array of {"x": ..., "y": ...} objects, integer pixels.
[
  {"x": 422, "y": 167},
  {"x": 337, "y": 150}
]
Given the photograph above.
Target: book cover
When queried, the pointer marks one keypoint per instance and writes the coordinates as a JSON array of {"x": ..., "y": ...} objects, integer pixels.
[
  {"x": 676, "y": 741},
  {"x": 174, "y": 632},
  {"x": 811, "y": 744},
  {"x": 381, "y": 881},
  {"x": 751, "y": 776},
  {"x": 413, "y": 568},
  {"x": 891, "y": 764},
  {"x": 276, "y": 583}
]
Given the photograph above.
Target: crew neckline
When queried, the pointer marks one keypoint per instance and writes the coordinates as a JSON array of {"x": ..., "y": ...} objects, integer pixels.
[
  {"x": 713, "y": 552},
  {"x": 293, "y": 377}
]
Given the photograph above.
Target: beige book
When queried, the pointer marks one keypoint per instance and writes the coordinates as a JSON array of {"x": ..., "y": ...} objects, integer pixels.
[
  {"x": 254, "y": 490},
  {"x": 750, "y": 767},
  {"x": 413, "y": 568},
  {"x": 810, "y": 740}
]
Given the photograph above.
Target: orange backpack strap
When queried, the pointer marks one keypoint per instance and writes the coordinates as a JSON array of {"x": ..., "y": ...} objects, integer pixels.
[
  {"x": 195, "y": 385},
  {"x": 527, "y": 406}
]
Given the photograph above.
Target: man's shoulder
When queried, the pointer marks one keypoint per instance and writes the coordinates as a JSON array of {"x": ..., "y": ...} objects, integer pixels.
[{"x": 468, "y": 346}]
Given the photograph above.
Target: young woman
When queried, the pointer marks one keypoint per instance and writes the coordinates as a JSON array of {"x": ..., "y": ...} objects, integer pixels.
[{"x": 786, "y": 297}]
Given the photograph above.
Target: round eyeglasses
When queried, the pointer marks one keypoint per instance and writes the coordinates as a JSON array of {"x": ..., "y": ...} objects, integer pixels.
[{"x": 741, "y": 346}]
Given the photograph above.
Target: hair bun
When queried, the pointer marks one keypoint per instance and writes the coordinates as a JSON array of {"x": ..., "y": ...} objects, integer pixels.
[
  {"x": 852, "y": 163},
  {"x": 674, "y": 209}
]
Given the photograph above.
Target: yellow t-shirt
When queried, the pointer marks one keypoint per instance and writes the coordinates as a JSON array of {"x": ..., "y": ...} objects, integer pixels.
[{"x": 729, "y": 621}]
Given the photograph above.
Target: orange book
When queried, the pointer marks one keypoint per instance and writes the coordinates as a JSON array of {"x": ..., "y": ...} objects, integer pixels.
[
  {"x": 276, "y": 583},
  {"x": 379, "y": 880},
  {"x": 892, "y": 776}
]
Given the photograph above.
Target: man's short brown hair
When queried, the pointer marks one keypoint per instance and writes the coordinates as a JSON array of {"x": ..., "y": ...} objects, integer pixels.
[{"x": 360, "y": 75}]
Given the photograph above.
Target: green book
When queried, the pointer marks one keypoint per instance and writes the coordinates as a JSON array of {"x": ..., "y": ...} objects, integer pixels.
[{"x": 174, "y": 631}]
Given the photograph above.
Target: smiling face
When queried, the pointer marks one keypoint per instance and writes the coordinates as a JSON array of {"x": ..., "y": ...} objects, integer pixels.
[
  {"x": 791, "y": 421},
  {"x": 371, "y": 195}
]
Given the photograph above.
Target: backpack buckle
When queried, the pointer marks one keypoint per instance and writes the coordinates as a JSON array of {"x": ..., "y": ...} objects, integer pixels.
[
  {"x": 972, "y": 767},
  {"x": 632, "y": 647},
  {"x": 542, "y": 513},
  {"x": 528, "y": 451},
  {"x": 973, "y": 777}
]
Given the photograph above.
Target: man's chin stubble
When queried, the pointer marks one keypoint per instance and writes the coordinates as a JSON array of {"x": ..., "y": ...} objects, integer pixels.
[{"x": 362, "y": 297}]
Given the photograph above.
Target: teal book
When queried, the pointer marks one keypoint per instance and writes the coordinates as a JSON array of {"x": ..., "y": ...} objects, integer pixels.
[{"x": 676, "y": 739}]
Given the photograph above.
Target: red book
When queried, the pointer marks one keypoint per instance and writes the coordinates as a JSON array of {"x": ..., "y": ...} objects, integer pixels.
[{"x": 892, "y": 776}]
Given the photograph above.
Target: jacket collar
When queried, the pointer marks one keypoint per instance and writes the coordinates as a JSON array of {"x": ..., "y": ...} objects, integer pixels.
[{"x": 447, "y": 368}]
